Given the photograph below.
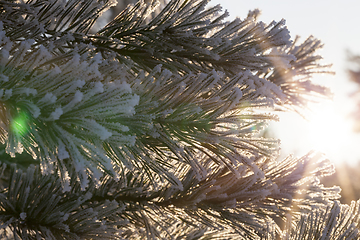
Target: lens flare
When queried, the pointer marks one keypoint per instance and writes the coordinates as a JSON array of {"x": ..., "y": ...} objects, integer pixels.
[
  {"x": 19, "y": 124},
  {"x": 329, "y": 131}
]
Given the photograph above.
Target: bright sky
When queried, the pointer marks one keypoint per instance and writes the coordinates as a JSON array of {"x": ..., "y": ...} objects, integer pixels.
[{"x": 335, "y": 24}]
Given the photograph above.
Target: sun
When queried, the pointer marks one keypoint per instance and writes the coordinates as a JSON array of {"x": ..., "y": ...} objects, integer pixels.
[{"x": 328, "y": 131}]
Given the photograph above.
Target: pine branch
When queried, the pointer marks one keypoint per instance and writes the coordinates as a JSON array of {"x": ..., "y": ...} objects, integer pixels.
[
  {"x": 185, "y": 37},
  {"x": 243, "y": 205},
  {"x": 158, "y": 211},
  {"x": 149, "y": 128},
  {"x": 228, "y": 47},
  {"x": 56, "y": 112},
  {"x": 41, "y": 17},
  {"x": 59, "y": 111},
  {"x": 35, "y": 206},
  {"x": 193, "y": 37},
  {"x": 336, "y": 221},
  {"x": 295, "y": 76}
]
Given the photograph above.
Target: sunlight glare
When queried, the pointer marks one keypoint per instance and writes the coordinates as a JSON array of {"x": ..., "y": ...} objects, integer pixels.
[{"x": 328, "y": 131}]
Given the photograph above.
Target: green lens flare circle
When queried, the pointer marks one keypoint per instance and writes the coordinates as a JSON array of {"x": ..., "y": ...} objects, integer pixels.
[{"x": 20, "y": 124}]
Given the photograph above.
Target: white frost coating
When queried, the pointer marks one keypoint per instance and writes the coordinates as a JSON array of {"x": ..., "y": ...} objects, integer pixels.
[
  {"x": 99, "y": 87},
  {"x": 35, "y": 110},
  {"x": 252, "y": 52},
  {"x": 281, "y": 60},
  {"x": 94, "y": 66},
  {"x": 133, "y": 102},
  {"x": 77, "y": 97},
  {"x": 44, "y": 53},
  {"x": 182, "y": 86},
  {"x": 97, "y": 58},
  {"x": 216, "y": 78},
  {"x": 56, "y": 70},
  {"x": 29, "y": 91},
  {"x": 66, "y": 183},
  {"x": 131, "y": 140},
  {"x": 55, "y": 115},
  {"x": 124, "y": 128},
  {"x": 75, "y": 60},
  {"x": 250, "y": 83},
  {"x": 23, "y": 216},
  {"x": 126, "y": 87},
  {"x": 157, "y": 68},
  {"x": 47, "y": 99},
  {"x": 103, "y": 225},
  {"x": 96, "y": 174},
  {"x": 100, "y": 130},
  {"x": 4, "y": 56},
  {"x": 104, "y": 134},
  {"x": 62, "y": 153},
  {"x": 2, "y": 37},
  {"x": 83, "y": 176},
  {"x": 87, "y": 196},
  {"x": 216, "y": 75},
  {"x": 270, "y": 90},
  {"x": 264, "y": 91},
  {"x": 332, "y": 221},
  {"x": 8, "y": 94},
  {"x": 117, "y": 126},
  {"x": 79, "y": 83},
  {"x": 154, "y": 133},
  {"x": 237, "y": 96},
  {"x": 4, "y": 78},
  {"x": 108, "y": 165},
  {"x": 166, "y": 73},
  {"x": 27, "y": 44},
  {"x": 65, "y": 217},
  {"x": 198, "y": 110}
]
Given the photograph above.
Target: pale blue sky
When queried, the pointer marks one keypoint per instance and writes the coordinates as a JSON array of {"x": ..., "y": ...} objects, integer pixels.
[{"x": 335, "y": 23}]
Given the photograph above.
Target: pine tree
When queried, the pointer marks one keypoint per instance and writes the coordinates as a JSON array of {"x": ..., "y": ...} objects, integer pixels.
[{"x": 150, "y": 127}]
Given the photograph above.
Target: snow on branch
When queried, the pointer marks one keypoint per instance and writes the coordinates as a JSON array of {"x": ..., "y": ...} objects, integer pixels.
[
  {"x": 188, "y": 37},
  {"x": 206, "y": 202},
  {"x": 336, "y": 221},
  {"x": 34, "y": 206},
  {"x": 153, "y": 124},
  {"x": 48, "y": 106},
  {"x": 294, "y": 77}
]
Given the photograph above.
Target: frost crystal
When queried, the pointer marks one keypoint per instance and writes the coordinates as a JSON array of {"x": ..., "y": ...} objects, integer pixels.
[
  {"x": 151, "y": 127},
  {"x": 23, "y": 216},
  {"x": 62, "y": 153},
  {"x": 4, "y": 78},
  {"x": 56, "y": 114}
]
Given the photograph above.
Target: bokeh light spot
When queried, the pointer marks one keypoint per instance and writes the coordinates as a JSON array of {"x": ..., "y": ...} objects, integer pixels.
[{"x": 19, "y": 124}]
